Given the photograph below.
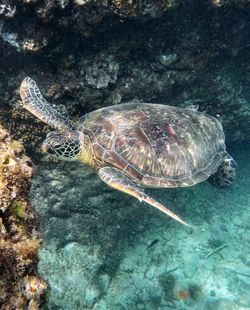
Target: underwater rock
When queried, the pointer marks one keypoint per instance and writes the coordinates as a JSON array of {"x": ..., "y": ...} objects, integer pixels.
[
  {"x": 143, "y": 8},
  {"x": 9, "y": 37},
  {"x": 7, "y": 10},
  {"x": 228, "y": 3},
  {"x": 102, "y": 57},
  {"x": 102, "y": 71},
  {"x": 81, "y": 15},
  {"x": 20, "y": 239}
]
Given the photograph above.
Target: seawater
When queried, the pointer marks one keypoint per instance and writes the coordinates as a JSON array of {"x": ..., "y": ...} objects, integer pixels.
[{"x": 104, "y": 250}]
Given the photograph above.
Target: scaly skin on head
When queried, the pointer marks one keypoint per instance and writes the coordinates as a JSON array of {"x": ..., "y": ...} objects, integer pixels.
[
  {"x": 63, "y": 145},
  {"x": 70, "y": 146}
]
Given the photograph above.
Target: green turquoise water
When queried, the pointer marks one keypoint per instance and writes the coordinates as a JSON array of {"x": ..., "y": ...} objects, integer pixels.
[{"x": 104, "y": 250}]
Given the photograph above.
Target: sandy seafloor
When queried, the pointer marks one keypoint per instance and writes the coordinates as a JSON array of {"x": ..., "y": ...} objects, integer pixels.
[{"x": 164, "y": 265}]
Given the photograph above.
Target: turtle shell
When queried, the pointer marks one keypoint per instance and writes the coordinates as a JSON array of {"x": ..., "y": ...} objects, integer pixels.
[{"x": 156, "y": 145}]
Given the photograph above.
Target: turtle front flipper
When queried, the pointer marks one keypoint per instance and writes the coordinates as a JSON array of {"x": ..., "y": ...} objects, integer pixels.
[
  {"x": 116, "y": 179},
  {"x": 34, "y": 102}
]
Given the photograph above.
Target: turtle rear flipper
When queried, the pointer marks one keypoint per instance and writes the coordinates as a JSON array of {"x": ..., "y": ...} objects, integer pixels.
[
  {"x": 34, "y": 102},
  {"x": 225, "y": 174}
]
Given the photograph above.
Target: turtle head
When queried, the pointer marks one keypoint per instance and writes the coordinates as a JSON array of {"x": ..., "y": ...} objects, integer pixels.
[{"x": 63, "y": 145}]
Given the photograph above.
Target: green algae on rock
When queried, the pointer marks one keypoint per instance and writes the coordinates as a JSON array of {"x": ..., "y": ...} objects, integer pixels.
[{"x": 20, "y": 239}]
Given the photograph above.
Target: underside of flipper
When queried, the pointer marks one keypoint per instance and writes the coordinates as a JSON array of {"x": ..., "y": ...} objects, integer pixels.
[
  {"x": 34, "y": 102},
  {"x": 225, "y": 174}
]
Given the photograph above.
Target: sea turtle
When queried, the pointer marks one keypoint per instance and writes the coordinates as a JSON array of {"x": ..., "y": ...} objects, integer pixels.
[{"x": 136, "y": 145}]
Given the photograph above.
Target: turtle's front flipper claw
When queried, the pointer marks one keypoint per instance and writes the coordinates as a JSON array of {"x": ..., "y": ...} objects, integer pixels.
[{"x": 117, "y": 179}]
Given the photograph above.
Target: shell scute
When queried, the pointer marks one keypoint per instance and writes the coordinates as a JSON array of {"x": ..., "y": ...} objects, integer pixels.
[{"x": 114, "y": 159}]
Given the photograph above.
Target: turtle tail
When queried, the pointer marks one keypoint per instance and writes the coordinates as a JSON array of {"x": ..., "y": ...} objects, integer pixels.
[
  {"x": 34, "y": 102},
  {"x": 225, "y": 174}
]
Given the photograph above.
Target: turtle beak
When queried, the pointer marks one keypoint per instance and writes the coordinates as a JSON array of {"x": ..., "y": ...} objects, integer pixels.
[{"x": 45, "y": 147}]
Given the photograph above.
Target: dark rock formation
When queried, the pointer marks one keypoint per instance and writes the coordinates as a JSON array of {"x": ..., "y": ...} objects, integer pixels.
[{"x": 89, "y": 54}]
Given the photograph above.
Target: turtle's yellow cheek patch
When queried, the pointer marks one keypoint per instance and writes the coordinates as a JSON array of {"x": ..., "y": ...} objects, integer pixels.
[{"x": 87, "y": 157}]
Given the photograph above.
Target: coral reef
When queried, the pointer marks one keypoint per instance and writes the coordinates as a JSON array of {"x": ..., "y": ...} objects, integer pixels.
[{"x": 20, "y": 286}]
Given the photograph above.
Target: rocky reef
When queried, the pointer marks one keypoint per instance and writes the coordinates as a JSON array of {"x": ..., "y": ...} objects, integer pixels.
[
  {"x": 89, "y": 54},
  {"x": 20, "y": 285}
]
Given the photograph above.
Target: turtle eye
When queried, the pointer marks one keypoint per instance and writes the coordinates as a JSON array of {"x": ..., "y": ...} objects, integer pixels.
[{"x": 56, "y": 145}]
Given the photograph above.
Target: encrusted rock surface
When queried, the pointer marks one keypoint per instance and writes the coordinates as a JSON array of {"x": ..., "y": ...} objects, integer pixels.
[
  {"x": 89, "y": 54},
  {"x": 20, "y": 285}
]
